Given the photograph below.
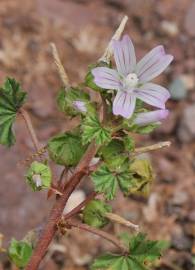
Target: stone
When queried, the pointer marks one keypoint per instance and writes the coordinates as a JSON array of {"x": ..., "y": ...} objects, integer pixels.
[
  {"x": 170, "y": 28},
  {"x": 180, "y": 198},
  {"x": 186, "y": 129},
  {"x": 178, "y": 89},
  {"x": 190, "y": 20}
]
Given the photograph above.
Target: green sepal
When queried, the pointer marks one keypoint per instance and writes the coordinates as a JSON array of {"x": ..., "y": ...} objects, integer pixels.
[
  {"x": 66, "y": 99},
  {"x": 89, "y": 78},
  {"x": 12, "y": 97},
  {"x": 142, "y": 177},
  {"x": 94, "y": 213},
  {"x": 19, "y": 252},
  {"x": 129, "y": 124},
  {"x": 66, "y": 149},
  {"x": 94, "y": 130},
  {"x": 39, "y": 176}
]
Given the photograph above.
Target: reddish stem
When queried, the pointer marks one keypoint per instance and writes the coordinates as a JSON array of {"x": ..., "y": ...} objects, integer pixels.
[
  {"x": 98, "y": 232},
  {"x": 57, "y": 210}
]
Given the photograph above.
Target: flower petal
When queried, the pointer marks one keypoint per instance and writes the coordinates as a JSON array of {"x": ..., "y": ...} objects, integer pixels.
[
  {"x": 80, "y": 105},
  {"x": 124, "y": 104},
  {"x": 153, "y": 94},
  {"x": 124, "y": 55},
  {"x": 106, "y": 78},
  {"x": 152, "y": 64},
  {"x": 146, "y": 118}
]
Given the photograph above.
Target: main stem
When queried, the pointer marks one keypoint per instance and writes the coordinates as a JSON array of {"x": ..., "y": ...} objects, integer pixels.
[{"x": 57, "y": 210}]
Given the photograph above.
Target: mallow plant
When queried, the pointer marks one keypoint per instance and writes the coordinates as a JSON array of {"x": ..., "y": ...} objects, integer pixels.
[{"x": 100, "y": 148}]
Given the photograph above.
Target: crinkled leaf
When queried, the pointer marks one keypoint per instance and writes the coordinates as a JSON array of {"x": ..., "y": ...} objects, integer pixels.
[
  {"x": 66, "y": 99},
  {"x": 19, "y": 252},
  {"x": 66, "y": 149},
  {"x": 141, "y": 253},
  {"x": 142, "y": 177},
  {"x": 94, "y": 213},
  {"x": 12, "y": 98},
  {"x": 92, "y": 129},
  {"x": 116, "y": 262},
  {"x": 39, "y": 176},
  {"x": 114, "y": 156},
  {"x": 106, "y": 181}
]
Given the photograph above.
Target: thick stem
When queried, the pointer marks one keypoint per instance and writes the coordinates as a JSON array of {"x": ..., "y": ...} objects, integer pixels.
[
  {"x": 57, "y": 210},
  {"x": 30, "y": 128},
  {"x": 100, "y": 233}
]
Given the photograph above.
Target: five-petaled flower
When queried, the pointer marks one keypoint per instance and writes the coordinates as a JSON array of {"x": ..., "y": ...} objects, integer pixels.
[{"x": 131, "y": 79}]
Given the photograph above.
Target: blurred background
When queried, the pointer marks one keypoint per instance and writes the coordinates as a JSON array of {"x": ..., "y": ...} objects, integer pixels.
[{"x": 81, "y": 30}]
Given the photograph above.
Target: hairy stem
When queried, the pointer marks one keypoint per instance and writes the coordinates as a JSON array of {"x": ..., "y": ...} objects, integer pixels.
[
  {"x": 152, "y": 147},
  {"x": 109, "y": 51},
  {"x": 62, "y": 73},
  {"x": 30, "y": 128},
  {"x": 57, "y": 210},
  {"x": 98, "y": 232}
]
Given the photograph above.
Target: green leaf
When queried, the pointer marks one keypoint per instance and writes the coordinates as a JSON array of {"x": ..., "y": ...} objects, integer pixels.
[
  {"x": 66, "y": 99},
  {"x": 12, "y": 98},
  {"x": 19, "y": 252},
  {"x": 141, "y": 253},
  {"x": 92, "y": 129},
  {"x": 94, "y": 213},
  {"x": 114, "y": 156},
  {"x": 107, "y": 181},
  {"x": 39, "y": 176},
  {"x": 142, "y": 177},
  {"x": 129, "y": 143},
  {"x": 116, "y": 262},
  {"x": 66, "y": 149}
]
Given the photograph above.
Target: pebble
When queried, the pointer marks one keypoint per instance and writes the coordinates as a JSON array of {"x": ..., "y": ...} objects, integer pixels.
[
  {"x": 186, "y": 129},
  {"x": 170, "y": 28},
  {"x": 178, "y": 89},
  {"x": 181, "y": 241},
  {"x": 180, "y": 198},
  {"x": 190, "y": 20}
]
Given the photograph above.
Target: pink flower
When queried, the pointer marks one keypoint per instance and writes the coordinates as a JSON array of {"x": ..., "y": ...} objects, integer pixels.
[
  {"x": 146, "y": 118},
  {"x": 80, "y": 106},
  {"x": 131, "y": 79}
]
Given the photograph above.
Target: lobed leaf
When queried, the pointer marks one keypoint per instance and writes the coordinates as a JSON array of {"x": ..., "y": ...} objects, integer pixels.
[
  {"x": 12, "y": 98},
  {"x": 93, "y": 130},
  {"x": 66, "y": 149}
]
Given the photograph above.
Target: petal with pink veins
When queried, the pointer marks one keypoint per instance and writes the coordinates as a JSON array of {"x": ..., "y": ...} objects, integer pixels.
[
  {"x": 124, "y": 55},
  {"x": 124, "y": 104},
  {"x": 106, "y": 78},
  {"x": 153, "y": 64},
  {"x": 153, "y": 94},
  {"x": 146, "y": 118}
]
